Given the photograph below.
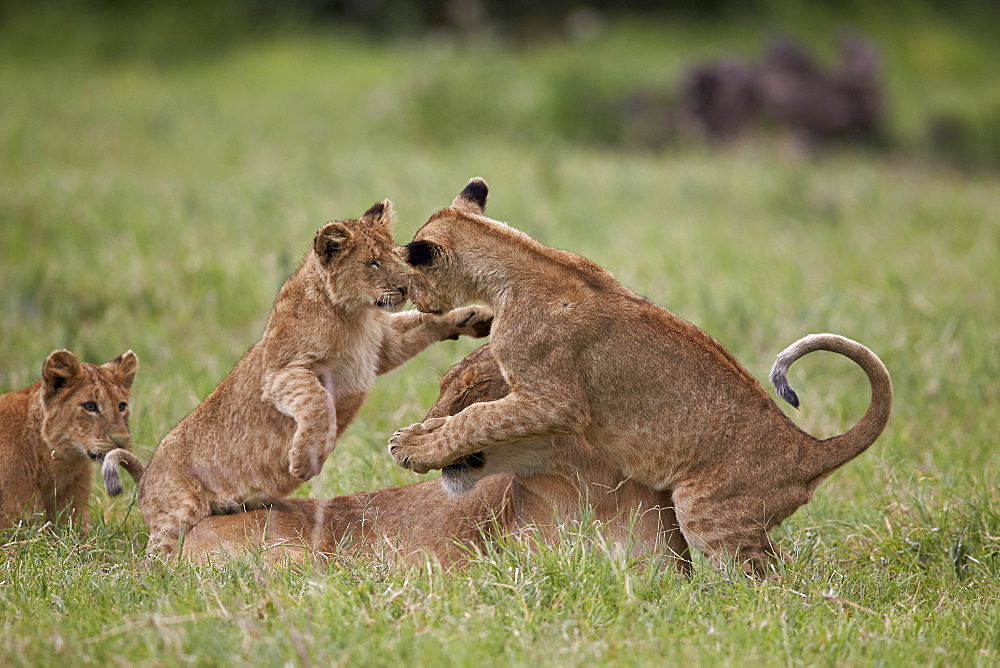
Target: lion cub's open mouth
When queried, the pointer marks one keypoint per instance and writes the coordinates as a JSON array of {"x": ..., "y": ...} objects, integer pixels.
[{"x": 473, "y": 461}]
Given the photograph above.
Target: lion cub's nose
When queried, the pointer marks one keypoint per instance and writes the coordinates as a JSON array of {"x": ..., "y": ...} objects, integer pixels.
[
  {"x": 121, "y": 440},
  {"x": 402, "y": 291}
]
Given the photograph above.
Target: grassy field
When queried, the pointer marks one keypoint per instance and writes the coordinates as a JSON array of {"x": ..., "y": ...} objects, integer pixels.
[{"x": 156, "y": 202}]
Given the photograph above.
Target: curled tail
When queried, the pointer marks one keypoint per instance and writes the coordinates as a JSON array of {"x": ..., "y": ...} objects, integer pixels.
[
  {"x": 109, "y": 469},
  {"x": 837, "y": 451}
]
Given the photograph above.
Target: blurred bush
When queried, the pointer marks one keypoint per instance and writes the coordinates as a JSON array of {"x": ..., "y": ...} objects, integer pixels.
[{"x": 607, "y": 74}]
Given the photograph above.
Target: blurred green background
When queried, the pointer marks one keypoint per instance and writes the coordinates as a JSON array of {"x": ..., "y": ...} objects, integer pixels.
[{"x": 163, "y": 167}]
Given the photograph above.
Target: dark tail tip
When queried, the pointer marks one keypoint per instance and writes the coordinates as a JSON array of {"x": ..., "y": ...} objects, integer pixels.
[
  {"x": 112, "y": 478},
  {"x": 786, "y": 392},
  {"x": 112, "y": 483},
  {"x": 780, "y": 381}
]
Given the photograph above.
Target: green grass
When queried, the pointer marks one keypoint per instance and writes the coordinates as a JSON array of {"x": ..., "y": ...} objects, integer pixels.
[{"x": 157, "y": 203}]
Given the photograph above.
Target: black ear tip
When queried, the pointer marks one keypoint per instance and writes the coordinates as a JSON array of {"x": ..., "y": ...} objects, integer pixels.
[
  {"x": 377, "y": 210},
  {"x": 476, "y": 192},
  {"x": 420, "y": 253},
  {"x": 128, "y": 355}
]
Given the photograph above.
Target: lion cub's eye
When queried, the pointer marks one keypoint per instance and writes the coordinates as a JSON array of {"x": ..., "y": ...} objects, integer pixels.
[
  {"x": 90, "y": 407},
  {"x": 122, "y": 407}
]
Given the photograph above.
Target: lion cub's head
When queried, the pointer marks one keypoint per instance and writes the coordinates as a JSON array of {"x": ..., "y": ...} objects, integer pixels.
[
  {"x": 360, "y": 262},
  {"x": 85, "y": 406},
  {"x": 475, "y": 379},
  {"x": 439, "y": 280}
]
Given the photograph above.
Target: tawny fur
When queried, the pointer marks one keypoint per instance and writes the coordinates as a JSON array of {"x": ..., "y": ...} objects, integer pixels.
[
  {"x": 652, "y": 392},
  {"x": 52, "y": 431},
  {"x": 410, "y": 523},
  {"x": 274, "y": 420}
]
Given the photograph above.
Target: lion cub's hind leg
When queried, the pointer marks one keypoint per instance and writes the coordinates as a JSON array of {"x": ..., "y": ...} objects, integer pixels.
[
  {"x": 184, "y": 503},
  {"x": 674, "y": 542},
  {"x": 298, "y": 392},
  {"x": 728, "y": 530}
]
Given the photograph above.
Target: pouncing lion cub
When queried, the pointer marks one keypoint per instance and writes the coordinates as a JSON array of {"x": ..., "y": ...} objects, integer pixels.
[
  {"x": 270, "y": 425},
  {"x": 652, "y": 392},
  {"x": 50, "y": 432}
]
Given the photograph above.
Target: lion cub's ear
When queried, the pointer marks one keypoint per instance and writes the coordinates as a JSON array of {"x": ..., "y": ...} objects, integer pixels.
[
  {"x": 473, "y": 198},
  {"x": 124, "y": 367},
  {"x": 380, "y": 214},
  {"x": 420, "y": 253},
  {"x": 60, "y": 368},
  {"x": 330, "y": 241}
]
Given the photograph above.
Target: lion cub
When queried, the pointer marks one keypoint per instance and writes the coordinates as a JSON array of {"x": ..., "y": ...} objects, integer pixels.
[
  {"x": 650, "y": 391},
  {"x": 50, "y": 432},
  {"x": 270, "y": 425}
]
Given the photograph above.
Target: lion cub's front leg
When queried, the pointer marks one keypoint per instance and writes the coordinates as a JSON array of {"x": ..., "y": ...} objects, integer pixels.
[
  {"x": 437, "y": 442},
  {"x": 412, "y": 331},
  {"x": 296, "y": 391},
  {"x": 551, "y": 402}
]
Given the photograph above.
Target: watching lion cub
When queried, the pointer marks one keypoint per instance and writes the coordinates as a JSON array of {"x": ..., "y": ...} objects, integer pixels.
[
  {"x": 653, "y": 393},
  {"x": 50, "y": 432},
  {"x": 270, "y": 425}
]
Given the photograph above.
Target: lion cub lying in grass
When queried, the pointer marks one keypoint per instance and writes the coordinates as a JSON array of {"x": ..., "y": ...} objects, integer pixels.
[
  {"x": 50, "y": 432},
  {"x": 273, "y": 421},
  {"x": 556, "y": 479},
  {"x": 650, "y": 391}
]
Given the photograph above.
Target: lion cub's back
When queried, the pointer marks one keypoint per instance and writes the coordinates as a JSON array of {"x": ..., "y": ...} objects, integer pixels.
[{"x": 660, "y": 390}]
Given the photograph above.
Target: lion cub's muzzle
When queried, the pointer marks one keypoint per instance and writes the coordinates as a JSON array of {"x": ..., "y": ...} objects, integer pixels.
[
  {"x": 97, "y": 451},
  {"x": 393, "y": 300},
  {"x": 423, "y": 298}
]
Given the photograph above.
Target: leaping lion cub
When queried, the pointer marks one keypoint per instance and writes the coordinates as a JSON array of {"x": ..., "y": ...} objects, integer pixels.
[
  {"x": 273, "y": 421},
  {"x": 50, "y": 432},
  {"x": 652, "y": 392}
]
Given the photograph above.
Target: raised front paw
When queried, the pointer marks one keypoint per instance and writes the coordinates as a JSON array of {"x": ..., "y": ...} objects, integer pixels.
[
  {"x": 304, "y": 465},
  {"x": 412, "y": 447},
  {"x": 474, "y": 321}
]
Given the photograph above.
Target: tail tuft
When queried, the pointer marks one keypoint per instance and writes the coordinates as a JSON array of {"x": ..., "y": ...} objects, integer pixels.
[
  {"x": 112, "y": 481},
  {"x": 779, "y": 378},
  {"x": 114, "y": 459},
  {"x": 831, "y": 453}
]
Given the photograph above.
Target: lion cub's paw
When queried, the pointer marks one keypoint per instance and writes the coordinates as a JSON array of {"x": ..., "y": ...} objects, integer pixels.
[
  {"x": 474, "y": 321},
  {"x": 407, "y": 457},
  {"x": 431, "y": 424},
  {"x": 407, "y": 448}
]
